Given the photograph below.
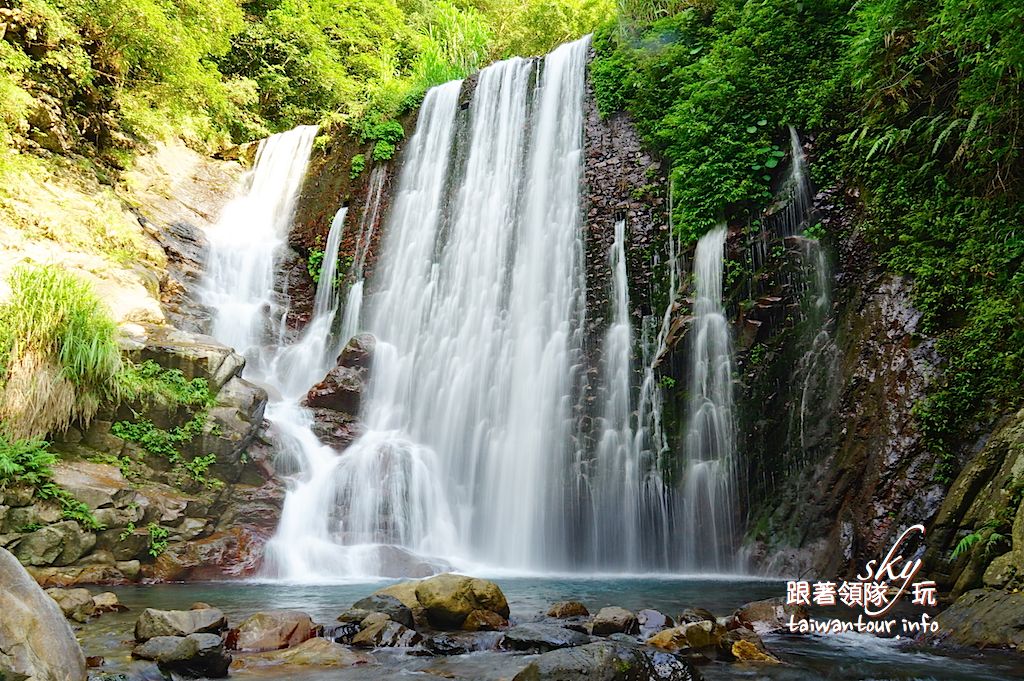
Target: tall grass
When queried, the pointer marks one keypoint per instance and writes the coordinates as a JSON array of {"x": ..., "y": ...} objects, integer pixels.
[{"x": 59, "y": 357}]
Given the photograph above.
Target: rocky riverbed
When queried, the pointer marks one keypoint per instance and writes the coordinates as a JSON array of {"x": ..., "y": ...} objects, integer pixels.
[{"x": 463, "y": 628}]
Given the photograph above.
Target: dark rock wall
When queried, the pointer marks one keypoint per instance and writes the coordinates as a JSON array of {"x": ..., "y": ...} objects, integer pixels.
[{"x": 622, "y": 181}]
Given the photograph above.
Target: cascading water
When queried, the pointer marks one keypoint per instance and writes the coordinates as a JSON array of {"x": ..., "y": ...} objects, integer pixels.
[
  {"x": 364, "y": 239},
  {"x": 708, "y": 498},
  {"x": 326, "y": 301}
]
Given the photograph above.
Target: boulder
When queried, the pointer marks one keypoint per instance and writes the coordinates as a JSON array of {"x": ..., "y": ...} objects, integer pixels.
[
  {"x": 695, "y": 615},
  {"x": 76, "y": 604},
  {"x": 984, "y": 618},
  {"x": 273, "y": 630},
  {"x": 745, "y": 651},
  {"x": 768, "y": 615},
  {"x": 59, "y": 544},
  {"x": 615, "y": 620},
  {"x": 484, "y": 620},
  {"x": 358, "y": 352},
  {"x": 1005, "y": 571},
  {"x": 389, "y": 605},
  {"x": 543, "y": 637},
  {"x": 195, "y": 355},
  {"x": 107, "y": 602},
  {"x": 380, "y": 632},
  {"x": 36, "y": 641},
  {"x": 607, "y": 661},
  {"x": 696, "y": 636},
  {"x": 651, "y": 621},
  {"x": 566, "y": 609},
  {"x": 316, "y": 652},
  {"x": 449, "y": 599},
  {"x": 340, "y": 390},
  {"x": 405, "y": 592},
  {"x": 193, "y": 656},
  {"x": 461, "y": 643},
  {"x": 153, "y": 623}
]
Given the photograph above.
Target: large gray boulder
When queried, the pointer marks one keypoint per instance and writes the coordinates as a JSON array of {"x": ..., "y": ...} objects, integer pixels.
[
  {"x": 608, "y": 661},
  {"x": 274, "y": 630},
  {"x": 153, "y": 623},
  {"x": 195, "y": 655},
  {"x": 543, "y": 637},
  {"x": 36, "y": 642}
]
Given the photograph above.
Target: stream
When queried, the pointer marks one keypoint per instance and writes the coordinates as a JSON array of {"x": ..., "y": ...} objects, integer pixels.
[{"x": 843, "y": 656}]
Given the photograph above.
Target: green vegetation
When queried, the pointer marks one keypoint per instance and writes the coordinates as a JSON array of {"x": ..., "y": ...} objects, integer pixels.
[
  {"x": 59, "y": 357},
  {"x": 30, "y": 462},
  {"x": 357, "y": 166},
  {"x": 914, "y": 104},
  {"x": 157, "y": 539},
  {"x": 212, "y": 72},
  {"x": 149, "y": 381}
]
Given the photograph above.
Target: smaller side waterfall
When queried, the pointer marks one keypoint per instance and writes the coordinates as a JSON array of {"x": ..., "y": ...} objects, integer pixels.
[
  {"x": 709, "y": 499},
  {"x": 327, "y": 290},
  {"x": 617, "y": 503},
  {"x": 364, "y": 239}
]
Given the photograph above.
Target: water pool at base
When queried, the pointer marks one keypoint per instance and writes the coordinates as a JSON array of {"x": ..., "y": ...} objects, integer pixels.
[{"x": 842, "y": 657}]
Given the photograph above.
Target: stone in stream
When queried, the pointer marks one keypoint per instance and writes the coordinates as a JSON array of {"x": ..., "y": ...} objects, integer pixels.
[
  {"x": 316, "y": 652},
  {"x": 542, "y": 637},
  {"x": 461, "y": 643},
  {"x": 76, "y": 604},
  {"x": 768, "y": 615},
  {"x": 36, "y": 641},
  {"x": 985, "y": 618},
  {"x": 651, "y": 621},
  {"x": 695, "y": 615},
  {"x": 694, "y": 635},
  {"x": 566, "y": 609},
  {"x": 615, "y": 621},
  {"x": 195, "y": 655},
  {"x": 108, "y": 602},
  {"x": 607, "y": 661},
  {"x": 484, "y": 620},
  {"x": 378, "y": 631},
  {"x": 273, "y": 630},
  {"x": 153, "y": 623},
  {"x": 389, "y": 605},
  {"x": 449, "y": 599}
]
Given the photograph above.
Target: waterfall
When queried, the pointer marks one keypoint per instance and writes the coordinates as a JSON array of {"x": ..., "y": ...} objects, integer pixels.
[
  {"x": 364, "y": 240},
  {"x": 817, "y": 366},
  {"x": 245, "y": 244},
  {"x": 708, "y": 497},
  {"x": 326, "y": 301},
  {"x": 478, "y": 312}
]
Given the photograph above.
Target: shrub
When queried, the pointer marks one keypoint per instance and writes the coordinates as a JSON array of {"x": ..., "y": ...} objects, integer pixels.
[{"x": 59, "y": 357}]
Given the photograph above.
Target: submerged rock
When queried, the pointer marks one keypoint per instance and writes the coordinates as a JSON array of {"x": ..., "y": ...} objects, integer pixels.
[
  {"x": 566, "y": 609},
  {"x": 273, "y": 630},
  {"x": 195, "y": 655},
  {"x": 449, "y": 599},
  {"x": 36, "y": 641},
  {"x": 543, "y": 637},
  {"x": 745, "y": 651},
  {"x": 461, "y": 643},
  {"x": 316, "y": 652},
  {"x": 153, "y": 623},
  {"x": 607, "y": 661}
]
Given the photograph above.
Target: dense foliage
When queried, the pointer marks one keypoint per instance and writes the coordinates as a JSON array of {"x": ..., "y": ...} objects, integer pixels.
[
  {"x": 917, "y": 105},
  {"x": 130, "y": 69}
]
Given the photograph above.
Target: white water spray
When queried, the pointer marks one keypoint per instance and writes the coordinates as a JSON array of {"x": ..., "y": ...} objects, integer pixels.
[{"x": 709, "y": 498}]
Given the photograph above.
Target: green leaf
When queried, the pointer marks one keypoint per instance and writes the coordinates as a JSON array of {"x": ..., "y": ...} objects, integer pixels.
[
  {"x": 762, "y": 122},
  {"x": 771, "y": 163},
  {"x": 751, "y": 129}
]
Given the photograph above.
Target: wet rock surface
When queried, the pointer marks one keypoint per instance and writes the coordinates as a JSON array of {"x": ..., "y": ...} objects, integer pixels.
[
  {"x": 449, "y": 599},
  {"x": 36, "y": 641},
  {"x": 984, "y": 618},
  {"x": 192, "y": 656},
  {"x": 154, "y": 623},
  {"x": 607, "y": 661},
  {"x": 542, "y": 637}
]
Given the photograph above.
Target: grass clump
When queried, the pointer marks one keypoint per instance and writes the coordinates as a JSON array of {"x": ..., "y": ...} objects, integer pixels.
[{"x": 59, "y": 357}]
